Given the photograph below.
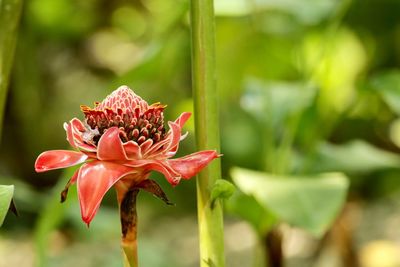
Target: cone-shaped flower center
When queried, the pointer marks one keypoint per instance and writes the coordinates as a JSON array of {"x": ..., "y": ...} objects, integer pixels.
[{"x": 136, "y": 120}]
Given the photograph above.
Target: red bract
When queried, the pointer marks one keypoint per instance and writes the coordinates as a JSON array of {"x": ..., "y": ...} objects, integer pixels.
[{"x": 120, "y": 141}]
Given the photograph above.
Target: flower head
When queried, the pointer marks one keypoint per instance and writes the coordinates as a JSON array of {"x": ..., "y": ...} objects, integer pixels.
[{"x": 119, "y": 142}]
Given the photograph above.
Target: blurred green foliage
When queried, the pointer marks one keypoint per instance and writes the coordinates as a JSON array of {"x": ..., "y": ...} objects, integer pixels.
[
  {"x": 6, "y": 193},
  {"x": 10, "y": 11},
  {"x": 310, "y": 202},
  {"x": 305, "y": 87}
]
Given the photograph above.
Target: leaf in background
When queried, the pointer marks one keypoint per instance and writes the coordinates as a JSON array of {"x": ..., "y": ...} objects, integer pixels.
[
  {"x": 6, "y": 194},
  {"x": 325, "y": 58},
  {"x": 49, "y": 218},
  {"x": 232, "y": 8},
  {"x": 236, "y": 124},
  {"x": 276, "y": 101},
  {"x": 388, "y": 86},
  {"x": 354, "y": 157},
  {"x": 394, "y": 132},
  {"x": 304, "y": 11},
  {"x": 61, "y": 19},
  {"x": 10, "y": 11},
  {"x": 247, "y": 208},
  {"x": 309, "y": 202},
  {"x": 13, "y": 208}
]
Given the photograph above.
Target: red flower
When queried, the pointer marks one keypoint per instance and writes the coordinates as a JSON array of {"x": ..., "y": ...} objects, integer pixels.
[{"x": 120, "y": 141}]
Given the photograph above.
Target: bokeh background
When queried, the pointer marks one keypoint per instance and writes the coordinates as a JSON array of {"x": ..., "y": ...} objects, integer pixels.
[{"x": 323, "y": 75}]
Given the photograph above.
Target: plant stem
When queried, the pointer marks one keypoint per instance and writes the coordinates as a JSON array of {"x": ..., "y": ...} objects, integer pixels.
[
  {"x": 207, "y": 130},
  {"x": 273, "y": 247},
  {"x": 127, "y": 200},
  {"x": 10, "y": 11}
]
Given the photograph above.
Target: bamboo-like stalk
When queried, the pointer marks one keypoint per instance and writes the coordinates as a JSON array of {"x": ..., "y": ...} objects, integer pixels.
[
  {"x": 207, "y": 130},
  {"x": 10, "y": 11}
]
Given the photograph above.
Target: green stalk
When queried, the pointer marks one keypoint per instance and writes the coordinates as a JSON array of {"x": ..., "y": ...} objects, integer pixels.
[
  {"x": 207, "y": 130},
  {"x": 10, "y": 11}
]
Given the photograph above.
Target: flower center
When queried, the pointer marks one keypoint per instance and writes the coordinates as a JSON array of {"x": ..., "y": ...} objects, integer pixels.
[{"x": 136, "y": 120}]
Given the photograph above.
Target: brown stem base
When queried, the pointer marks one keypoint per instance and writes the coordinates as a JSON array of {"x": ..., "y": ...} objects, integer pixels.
[
  {"x": 129, "y": 226},
  {"x": 273, "y": 246}
]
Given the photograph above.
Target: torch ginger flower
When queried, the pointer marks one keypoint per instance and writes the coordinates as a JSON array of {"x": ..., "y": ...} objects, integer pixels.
[{"x": 121, "y": 140}]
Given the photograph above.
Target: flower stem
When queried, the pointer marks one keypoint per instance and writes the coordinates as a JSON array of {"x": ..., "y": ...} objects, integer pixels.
[
  {"x": 10, "y": 11},
  {"x": 129, "y": 226},
  {"x": 207, "y": 130}
]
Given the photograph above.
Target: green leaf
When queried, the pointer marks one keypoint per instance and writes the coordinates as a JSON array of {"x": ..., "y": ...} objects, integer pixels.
[
  {"x": 247, "y": 208},
  {"x": 221, "y": 189},
  {"x": 309, "y": 202},
  {"x": 388, "y": 86},
  {"x": 303, "y": 11},
  {"x": 354, "y": 157},
  {"x": 276, "y": 101},
  {"x": 6, "y": 194}
]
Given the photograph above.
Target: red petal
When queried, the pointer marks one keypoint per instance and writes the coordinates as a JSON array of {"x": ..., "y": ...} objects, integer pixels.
[
  {"x": 110, "y": 146},
  {"x": 146, "y": 145},
  {"x": 192, "y": 164},
  {"x": 74, "y": 178},
  {"x": 175, "y": 138},
  {"x": 169, "y": 144},
  {"x": 90, "y": 154},
  {"x": 74, "y": 129},
  {"x": 86, "y": 147},
  {"x": 71, "y": 181},
  {"x": 77, "y": 125},
  {"x": 56, "y": 159},
  {"x": 132, "y": 150},
  {"x": 183, "y": 118},
  {"x": 155, "y": 149},
  {"x": 94, "y": 180},
  {"x": 70, "y": 136},
  {"x": 157, "y": 165}
]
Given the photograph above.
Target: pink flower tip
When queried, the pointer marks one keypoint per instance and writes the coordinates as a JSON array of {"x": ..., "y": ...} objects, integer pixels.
[{"x": 40, "y": 168}]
